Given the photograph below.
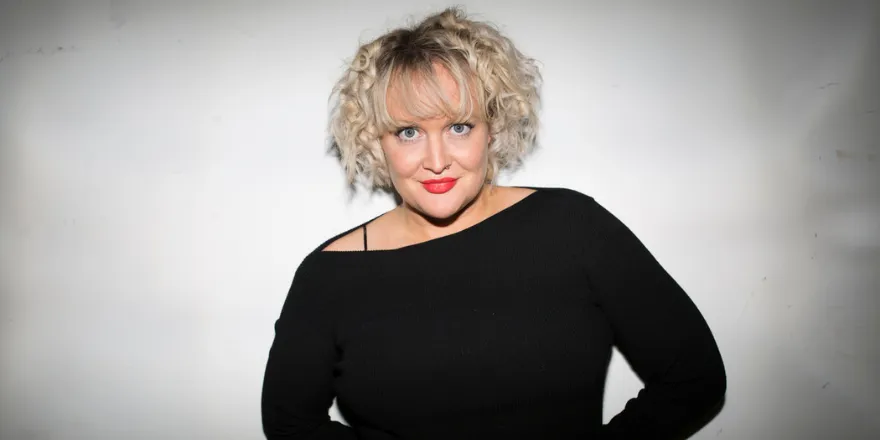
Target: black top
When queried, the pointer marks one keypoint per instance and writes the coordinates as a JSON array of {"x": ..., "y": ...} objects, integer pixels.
[{"x": 503, "y": 330}]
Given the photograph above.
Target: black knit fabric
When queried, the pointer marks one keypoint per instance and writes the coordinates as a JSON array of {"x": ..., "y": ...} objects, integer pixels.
[{"x": 503, "y": 330}]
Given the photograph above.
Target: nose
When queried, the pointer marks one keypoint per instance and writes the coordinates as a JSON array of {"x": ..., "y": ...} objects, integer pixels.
[{"x": 436, "y": 157}]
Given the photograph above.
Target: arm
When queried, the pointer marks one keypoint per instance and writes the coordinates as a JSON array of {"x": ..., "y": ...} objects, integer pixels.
[
  {"x": 660, "y": 332},
  {"x": 297, "y": 387}
]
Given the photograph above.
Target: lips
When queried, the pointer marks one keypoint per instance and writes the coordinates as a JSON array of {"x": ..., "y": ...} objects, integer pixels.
[{"x": 439, "y": 186}]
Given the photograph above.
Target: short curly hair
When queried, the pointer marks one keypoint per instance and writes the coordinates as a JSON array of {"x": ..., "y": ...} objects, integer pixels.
[{"x": 502, "y": 84}]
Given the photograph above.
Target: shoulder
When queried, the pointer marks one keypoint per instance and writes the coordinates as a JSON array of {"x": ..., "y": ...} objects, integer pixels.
[
  {"x": 564, "y": 198},
  {"x": 565, "y": 194},
  {"x": 571, "y": 206},
  {"x": 317, "y": 268},
  {"x": 354, "y": 239},
  {"x": 351, "y": 240}
]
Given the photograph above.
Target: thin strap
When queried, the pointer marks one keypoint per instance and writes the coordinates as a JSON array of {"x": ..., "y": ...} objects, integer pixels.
[{"x": 365, "y": 237}]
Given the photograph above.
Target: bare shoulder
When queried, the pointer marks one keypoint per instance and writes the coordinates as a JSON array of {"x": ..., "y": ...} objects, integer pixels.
[
  {"x": 511, "y": 195},
  {"x": 352, "y": 241}
]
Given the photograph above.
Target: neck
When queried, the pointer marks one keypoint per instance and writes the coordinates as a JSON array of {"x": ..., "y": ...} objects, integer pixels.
[{"x": 426, "y": 228}]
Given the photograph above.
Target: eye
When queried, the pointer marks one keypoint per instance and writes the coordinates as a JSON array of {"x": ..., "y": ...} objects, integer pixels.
[
  {"x": 461, "y": 129},
  {"x": 407, "y": 134}
]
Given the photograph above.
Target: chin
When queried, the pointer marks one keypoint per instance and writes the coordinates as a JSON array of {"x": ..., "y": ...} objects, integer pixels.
[
  {"x": 443, "y": 206},
  {"x": 439, "y": 207}
]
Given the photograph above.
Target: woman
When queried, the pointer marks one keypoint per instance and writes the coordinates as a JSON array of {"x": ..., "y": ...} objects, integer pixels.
[{"x": 473, "y": 310}]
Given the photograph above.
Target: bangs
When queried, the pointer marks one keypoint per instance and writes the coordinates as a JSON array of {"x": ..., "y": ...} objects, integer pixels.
[{"x": 416, "y": 92}]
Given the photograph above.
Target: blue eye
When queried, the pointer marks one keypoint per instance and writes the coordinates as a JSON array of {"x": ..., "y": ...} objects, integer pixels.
[
  {"x": 407, "y": 134},
  {"x": 461, "y": 129}
]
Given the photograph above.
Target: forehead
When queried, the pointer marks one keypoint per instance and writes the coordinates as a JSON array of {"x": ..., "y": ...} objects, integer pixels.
[{"x": 415, "y": 96}]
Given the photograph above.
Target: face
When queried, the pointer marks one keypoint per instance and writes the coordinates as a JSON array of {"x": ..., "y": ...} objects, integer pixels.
[{"x": 437, "y": 165}]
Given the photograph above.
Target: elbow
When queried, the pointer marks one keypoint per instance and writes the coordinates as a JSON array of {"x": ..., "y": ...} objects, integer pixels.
[
  {"x": 703, "y": 405},
  {"x": 714, "y": 381},
  {"x": 719, "y": 386},
  {"x": 713, "y": 389},
  {"x": 281, "y": 424},
  {"x": 717, "y": 390},
  {"x": 705, "y": 389}
]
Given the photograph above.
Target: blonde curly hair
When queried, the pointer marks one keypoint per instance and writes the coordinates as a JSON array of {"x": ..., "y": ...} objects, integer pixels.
[{"x": 496, "y": 82}]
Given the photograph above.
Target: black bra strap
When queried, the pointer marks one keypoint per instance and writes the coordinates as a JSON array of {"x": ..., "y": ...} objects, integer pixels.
[{"x": 365, "y": 237}]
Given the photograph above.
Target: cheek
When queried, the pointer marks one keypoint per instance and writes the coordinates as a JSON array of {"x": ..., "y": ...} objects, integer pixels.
[
  {"x": 475, "y": 155},
  {"x": 400, "y": 161}
]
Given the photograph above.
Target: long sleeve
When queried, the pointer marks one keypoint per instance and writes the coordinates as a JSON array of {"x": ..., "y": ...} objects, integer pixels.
[
  {"x": 297, "y": 387},
  {"x": 659, "y": 331}
]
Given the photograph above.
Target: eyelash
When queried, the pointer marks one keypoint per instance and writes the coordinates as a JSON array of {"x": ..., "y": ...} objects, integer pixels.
[{"x": 397, "y": 133}]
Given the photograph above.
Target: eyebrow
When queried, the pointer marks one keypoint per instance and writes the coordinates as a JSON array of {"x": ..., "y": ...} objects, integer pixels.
[
  {"x": 404, "y": 123},
  {"x": 451, "y": 120}
]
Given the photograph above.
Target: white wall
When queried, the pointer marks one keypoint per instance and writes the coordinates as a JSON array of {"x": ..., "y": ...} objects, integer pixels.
[{"x": 162, "y": 173}]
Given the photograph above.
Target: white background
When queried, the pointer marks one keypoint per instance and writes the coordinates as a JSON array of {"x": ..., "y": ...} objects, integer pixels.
[{"x": 163, "y": 172}]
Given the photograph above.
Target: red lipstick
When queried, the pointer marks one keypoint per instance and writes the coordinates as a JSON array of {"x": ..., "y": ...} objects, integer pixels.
[{"x": 439, "y": 186}]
